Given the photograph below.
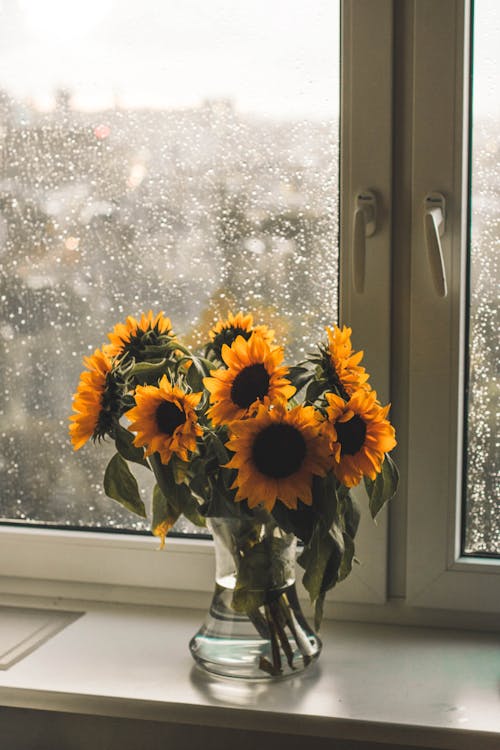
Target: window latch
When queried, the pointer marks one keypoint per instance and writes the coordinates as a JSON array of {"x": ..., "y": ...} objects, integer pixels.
[
  {"x": 364, "y": 225},
  {"x": 434, "y": 228}
]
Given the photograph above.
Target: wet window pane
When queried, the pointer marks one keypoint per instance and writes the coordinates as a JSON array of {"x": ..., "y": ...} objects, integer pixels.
[
  {"x": 482, "y": 511},
  {"x": 153, "y": 155}
]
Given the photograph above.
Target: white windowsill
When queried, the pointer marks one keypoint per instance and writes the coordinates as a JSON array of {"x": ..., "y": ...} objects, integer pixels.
[{"x": 389, "y": 684}]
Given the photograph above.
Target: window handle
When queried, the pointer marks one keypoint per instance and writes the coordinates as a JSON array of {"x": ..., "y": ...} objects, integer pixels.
[
  {"x": 434, "y": 228},
  {"x": 364, "y": 225}
]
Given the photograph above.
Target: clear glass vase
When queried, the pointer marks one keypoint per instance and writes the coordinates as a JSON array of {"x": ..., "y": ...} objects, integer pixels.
[{"x": 254, "y": 629}]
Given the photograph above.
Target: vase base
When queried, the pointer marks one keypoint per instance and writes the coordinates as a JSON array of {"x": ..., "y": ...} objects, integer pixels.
[{"x": 274, "y": 643}]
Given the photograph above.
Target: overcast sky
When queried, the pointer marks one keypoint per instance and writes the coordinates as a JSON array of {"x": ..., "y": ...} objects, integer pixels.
[{"x": 276, "y": 57}]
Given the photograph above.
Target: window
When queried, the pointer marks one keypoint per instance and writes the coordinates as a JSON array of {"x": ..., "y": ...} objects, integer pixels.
[
  {"x": 438, "y": 574},
  {"x": 141, "y": 159},
  {"x": 481, "y": 521},
  {"x": 138, "y": 178},
  {"x": 404, "y": 135}
]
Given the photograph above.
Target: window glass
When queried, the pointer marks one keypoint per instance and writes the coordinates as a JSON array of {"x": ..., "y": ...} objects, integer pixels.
[
  {"x": 482, "y": 507},
  {"x": 156, "y": 155}
]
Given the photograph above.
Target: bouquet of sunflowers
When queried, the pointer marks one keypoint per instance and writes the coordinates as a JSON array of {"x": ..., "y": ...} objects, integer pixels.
[{"x": 231, "y": 432}]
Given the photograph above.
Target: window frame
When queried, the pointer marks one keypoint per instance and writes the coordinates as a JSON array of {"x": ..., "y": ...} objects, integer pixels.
[{"x": 441, "y": 576}]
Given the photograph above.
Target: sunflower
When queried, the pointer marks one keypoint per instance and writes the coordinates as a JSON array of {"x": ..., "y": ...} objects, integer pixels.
[
  {"x": 93, "y": 403},
  {"x": 164, "y": 420},
  {"x": 252, "y": 374},
  {"x": 226, "y": 332},
  {"x": 360, "y": 436},
  {"x": 134, "y": 336},
  {"x": 341, "y": 365},
  {"x": 277, "y": 452}
]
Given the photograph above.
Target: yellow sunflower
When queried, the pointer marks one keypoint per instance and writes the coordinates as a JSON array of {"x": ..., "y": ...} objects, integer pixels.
[
  {"x": 91, "y": 418},
  {"x": 226, "y": 331},
  {"x": 360, "y": 436},
  {"x": 342, "y": 364},
  {"x": 134, "y": 335},
  {"x": 277, "y": 452},
  {"x": 253, "y": 374},
  {"x": 164, "y": 420}
]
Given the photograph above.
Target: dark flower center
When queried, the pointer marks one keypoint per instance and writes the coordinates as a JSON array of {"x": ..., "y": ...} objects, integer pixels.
[
  {"x": 278, "y": 451},
  {"x": 168, "y": 417},
  {"x": 351, "y": 435},
  {"x": 249, "y": 385}
]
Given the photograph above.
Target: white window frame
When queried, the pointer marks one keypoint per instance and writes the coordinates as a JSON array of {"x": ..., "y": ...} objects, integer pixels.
[{"x": 437, "y": 575}]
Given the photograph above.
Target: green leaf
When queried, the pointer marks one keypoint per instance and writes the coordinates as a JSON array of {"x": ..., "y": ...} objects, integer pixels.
[
  {"x": 325, "y": 501},
  {"x": 299, "y": 376},
  {"x": 314, "y": 559},
  {"x": 219, "y": 449},
  {"x": 198, "y": 481},
  {"x": 302, "y": 521},
  {"x": 247, "y": 600},
  {"x": 260, "y": 570},
  {"x": 154, "y": 352},
  {"x": 207, "y": 364},
  {"x": 384, "y": 487},
  {"x": 221, "y": 502},
  {"x": 195, "y": 374},
  {"x": 347, "y": 558},
  {"x": 331, "y": 575},
  {"x": 321, "y": 560},
  {"x": 124, "y": 441},
  {"x": 149, "y": 373},
  {"x": 350, "y": 512},
  {"x": 299, "y": 522},
  {"x": 180, "y": 469},
  {"x": 315, "y": 389},
  {"x": 175, "y": 344},
  {"x": 120, "y": 484},
  {"x": 170, "y": 499},
  {"x": 175, "y": 494},
  {"x": 318, "y": 611},
  {"x": 165, "y": 514},
  {"x": 191, "y": 511}
]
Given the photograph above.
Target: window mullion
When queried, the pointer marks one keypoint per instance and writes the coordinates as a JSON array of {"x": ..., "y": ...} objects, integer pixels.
[{"x": 366, "y": 165}]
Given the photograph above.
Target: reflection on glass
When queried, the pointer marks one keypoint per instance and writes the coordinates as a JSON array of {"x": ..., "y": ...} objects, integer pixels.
[
  {"x": 168, "y": 156},
  {"x": 482, "y": 508}
]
